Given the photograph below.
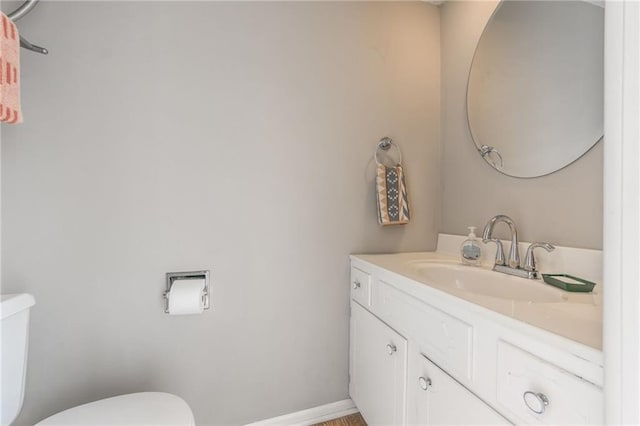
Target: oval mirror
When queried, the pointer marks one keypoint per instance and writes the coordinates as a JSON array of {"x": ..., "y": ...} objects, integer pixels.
[{"x": 536, "y": 86}]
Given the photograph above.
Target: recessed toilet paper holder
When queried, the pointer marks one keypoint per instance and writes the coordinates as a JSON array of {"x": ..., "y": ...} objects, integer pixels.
[{"x": 175, "y": 277}]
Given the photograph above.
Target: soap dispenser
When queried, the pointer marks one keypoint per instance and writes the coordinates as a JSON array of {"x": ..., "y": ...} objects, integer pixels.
[{"x": 470, "y": 250}]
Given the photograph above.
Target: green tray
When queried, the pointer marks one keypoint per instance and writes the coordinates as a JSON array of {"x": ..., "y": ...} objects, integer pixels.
[{"x": 557, "y": 281}]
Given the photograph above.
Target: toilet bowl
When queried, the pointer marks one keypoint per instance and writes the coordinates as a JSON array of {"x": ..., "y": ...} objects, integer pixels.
[{"x": 144, "y": 408}]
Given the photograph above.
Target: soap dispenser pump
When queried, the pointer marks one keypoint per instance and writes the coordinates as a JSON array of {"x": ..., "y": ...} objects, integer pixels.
[{"x": 470, "y": 250}]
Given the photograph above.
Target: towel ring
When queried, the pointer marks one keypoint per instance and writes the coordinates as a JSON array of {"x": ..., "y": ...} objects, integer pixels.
[
  {"x": 22, "y": 10},
  {"x": 385, "y": 144},
  {"x": 17, "y": 14}
]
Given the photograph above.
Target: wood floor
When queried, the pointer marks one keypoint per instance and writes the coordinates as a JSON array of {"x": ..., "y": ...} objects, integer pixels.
[{"x": 350, "y": 420}]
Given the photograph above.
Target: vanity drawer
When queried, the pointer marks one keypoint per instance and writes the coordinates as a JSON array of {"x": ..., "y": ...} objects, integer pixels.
[
  {"x": 571, "y": 400},
  {"x": 361, "y": 286},
  {"x": 447, "y": 340}
]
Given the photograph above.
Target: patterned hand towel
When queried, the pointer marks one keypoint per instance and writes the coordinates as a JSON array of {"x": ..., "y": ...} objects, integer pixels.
[
  {"x": 391, "y": 192},
  {"x": 9, "y": 71}
]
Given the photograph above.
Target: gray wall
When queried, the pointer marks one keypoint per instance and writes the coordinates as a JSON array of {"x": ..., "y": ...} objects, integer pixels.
[
  {"x": 235, "y": 137},
  {"x": 564, "y": 208}
]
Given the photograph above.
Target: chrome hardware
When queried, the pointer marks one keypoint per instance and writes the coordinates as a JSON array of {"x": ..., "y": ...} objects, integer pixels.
[
  {"x": 24, "y": 43},
  {"x": 530, "y": 260},
  {"x": 512, "y": 266},
  {"x": 486, "y": 151},
  {"x": 518, "y": 272},
  {"x": 385, "y": 144},
  {"x": 173, "y": 277},
  {"x": 356, "y": 284},
  {"x": 539, "y": 400},
  {"x": 391, "y": 349},
  {"x": 499, "y": 250},
  {"x": 22, "y": 10},
  {"x": 487, "y": 235},
  {"x": 424, "y": 382},
  {"x": 17, "y": 14}
]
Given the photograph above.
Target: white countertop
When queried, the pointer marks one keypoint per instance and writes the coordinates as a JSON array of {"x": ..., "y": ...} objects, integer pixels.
[{"x": 578, "y": 317}]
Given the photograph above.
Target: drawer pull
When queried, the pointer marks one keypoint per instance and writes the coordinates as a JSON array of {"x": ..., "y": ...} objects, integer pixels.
[
  {"x": 536, "y": 402},
  {"x": 356, "y": 284},
  {"x": 425, "y": 383},
  {"x": 391, "y": 348}
]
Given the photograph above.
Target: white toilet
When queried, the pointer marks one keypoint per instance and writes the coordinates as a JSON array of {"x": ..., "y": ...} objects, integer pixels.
[{"x": 145, "y": 408}]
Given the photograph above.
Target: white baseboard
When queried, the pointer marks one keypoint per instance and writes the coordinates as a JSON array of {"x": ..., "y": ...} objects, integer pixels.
[{"x": 312, "y": 416}]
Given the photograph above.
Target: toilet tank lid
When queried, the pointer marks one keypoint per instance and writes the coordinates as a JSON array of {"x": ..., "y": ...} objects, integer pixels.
[
  {"x": 144, "y": 408},
  {"x": 11, "y": 304}
]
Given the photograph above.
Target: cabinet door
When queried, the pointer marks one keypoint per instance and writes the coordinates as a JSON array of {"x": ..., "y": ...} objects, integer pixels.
[
  {"x": 441, "y": 400},
  {"x": 378, "y": 362}
]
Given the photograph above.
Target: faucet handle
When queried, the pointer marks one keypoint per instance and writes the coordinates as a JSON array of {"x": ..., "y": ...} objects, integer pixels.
[
  {"x": 530, "y": 260},
  {"x": 499, "y": 250}
]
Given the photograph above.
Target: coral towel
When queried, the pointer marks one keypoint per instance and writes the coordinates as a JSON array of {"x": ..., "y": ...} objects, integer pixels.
[
  {"x": 9, "y": 71},
  {"x": 391, "y": 192}
]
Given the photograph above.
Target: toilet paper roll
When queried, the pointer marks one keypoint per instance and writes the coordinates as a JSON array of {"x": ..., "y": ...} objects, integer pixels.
[{"x": 186, "y": 297}]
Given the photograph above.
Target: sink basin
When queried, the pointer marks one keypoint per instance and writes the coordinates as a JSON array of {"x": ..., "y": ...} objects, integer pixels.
[{"x": 486, "y": 282}]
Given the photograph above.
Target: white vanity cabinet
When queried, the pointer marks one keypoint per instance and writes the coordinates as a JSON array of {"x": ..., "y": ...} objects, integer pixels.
[
  {"x": 419, "y": 356},
  {"x": 378, "y": 368},
  {"x": 435, "y": 398},
  {"x": 553, "y": 396},
  {"x": 379, "y": 364}
]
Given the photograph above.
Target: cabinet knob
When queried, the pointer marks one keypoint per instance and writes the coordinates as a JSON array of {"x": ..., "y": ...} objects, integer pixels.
[
  {"x": 391, "y": 348},
  {"x": 424, "y": 382},
  {"x": 356, "y": 284},
  {"x": 536, "y": 402}
]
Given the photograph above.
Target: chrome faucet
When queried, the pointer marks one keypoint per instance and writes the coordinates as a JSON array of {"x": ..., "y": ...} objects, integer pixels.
[
  {"x": 512, "y": 267},
  {"x": 530, "y": 260},
  {"x": 487, "y": 236}
]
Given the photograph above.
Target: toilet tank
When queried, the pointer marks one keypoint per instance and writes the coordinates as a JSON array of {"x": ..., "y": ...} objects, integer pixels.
[{"x": 14, "y": 312}]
